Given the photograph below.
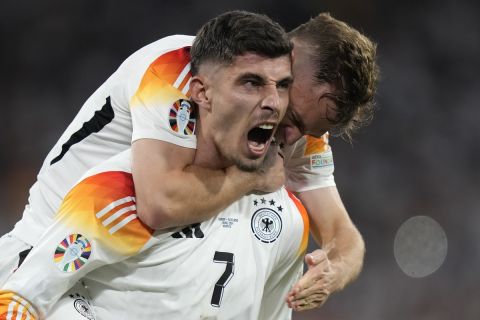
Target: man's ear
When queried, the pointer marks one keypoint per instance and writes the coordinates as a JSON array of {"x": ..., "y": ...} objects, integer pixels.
[{"x": 198, "y": 91}]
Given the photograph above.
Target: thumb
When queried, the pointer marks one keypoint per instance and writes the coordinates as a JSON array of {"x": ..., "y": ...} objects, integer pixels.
[{"x": 315, "y": 257}]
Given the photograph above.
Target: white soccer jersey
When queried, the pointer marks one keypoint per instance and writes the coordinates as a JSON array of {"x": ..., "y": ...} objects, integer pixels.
[
  {"x": 237, "y": 265},
  {"x": 144, "y": 98}
]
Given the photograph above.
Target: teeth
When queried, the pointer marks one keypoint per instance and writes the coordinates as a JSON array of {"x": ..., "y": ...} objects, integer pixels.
[
  {"x": 256, "y": 144},
  {"x": 266, "y": 126}
]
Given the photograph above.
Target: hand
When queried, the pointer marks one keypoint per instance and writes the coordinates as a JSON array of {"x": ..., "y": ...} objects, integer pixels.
[
  {"x": 316, "y": 285},
  {"x": 268, "y": 178},
  {"x": 271, "y": 176}
]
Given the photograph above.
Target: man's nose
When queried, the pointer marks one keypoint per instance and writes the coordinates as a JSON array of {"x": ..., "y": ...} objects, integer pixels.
[{"x": 272, "y": 101}]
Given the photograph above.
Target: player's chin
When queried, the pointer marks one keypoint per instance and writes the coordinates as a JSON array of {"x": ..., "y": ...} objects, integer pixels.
[{"x": 249, "y": 164}]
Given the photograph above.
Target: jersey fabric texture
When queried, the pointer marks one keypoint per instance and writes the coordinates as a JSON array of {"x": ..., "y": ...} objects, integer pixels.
[{"x": 237, "y": 265}]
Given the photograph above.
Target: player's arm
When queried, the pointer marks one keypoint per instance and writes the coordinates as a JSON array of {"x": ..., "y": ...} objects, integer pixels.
[
  {"x": 96, "y": 225},
  {"x": 172, "y": 192},
  {"x": 310, "y": 169},
  {"x": 339, "y": 261}
]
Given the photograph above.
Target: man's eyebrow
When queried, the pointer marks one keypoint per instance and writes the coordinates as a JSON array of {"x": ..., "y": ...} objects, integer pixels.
[
  {"x": 262, "y": 80},
  {"x": 252, "y": 76}
]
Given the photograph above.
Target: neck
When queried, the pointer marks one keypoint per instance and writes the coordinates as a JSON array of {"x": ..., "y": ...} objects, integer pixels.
[{"x": 207, "y": 155}]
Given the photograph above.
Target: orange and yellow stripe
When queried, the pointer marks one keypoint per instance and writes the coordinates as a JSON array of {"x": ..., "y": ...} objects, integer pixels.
[
  {"x": 316, "y": 145},
  {"x": 14, "y": 307},
  {"x": 306, "y": 223},
  {"x": 166, "y": 80},
  {"x": 103, "y": 207}
]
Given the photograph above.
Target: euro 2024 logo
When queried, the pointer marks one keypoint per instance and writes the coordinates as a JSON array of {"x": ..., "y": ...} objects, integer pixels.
[{"x": 182, "y": 117}]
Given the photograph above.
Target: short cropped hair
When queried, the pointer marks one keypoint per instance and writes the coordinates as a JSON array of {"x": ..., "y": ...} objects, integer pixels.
[
  {"x": 237, "y": 32},
  {"x": 347, "y": 59}
]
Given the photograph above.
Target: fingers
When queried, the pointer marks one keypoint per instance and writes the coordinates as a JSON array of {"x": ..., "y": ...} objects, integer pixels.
[
  {"x": 311, "y": 283},
  {"x": 313, "y": 288},
  {"x": 314, "y": 301},
  {"x": 304, "y": 298},
  {"x": 320, "y": 286},
  {"x": 319, "y": 271}
]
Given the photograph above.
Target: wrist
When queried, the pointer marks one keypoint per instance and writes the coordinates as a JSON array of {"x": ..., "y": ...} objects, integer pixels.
[{"x": 344, "y": 272}]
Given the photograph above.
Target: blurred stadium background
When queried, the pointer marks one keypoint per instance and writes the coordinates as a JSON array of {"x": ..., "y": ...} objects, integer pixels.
[{"x": 419, "y": 156}]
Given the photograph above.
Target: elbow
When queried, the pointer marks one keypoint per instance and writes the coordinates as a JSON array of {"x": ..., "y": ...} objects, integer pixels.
[
  {"x": 358, "y": 250},
  {"x": 356, "y": 242},
  {"x": 360, "y": 243},
  {"x": 156, "y": 214}
]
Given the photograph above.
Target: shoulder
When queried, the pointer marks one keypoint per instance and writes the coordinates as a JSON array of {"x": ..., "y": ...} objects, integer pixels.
[{"x": 175, "y": 47}]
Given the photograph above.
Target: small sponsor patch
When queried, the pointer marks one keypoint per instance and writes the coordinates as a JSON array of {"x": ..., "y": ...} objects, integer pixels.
[
  {"x": 266, "y": 222},
  {"x": 182, "y": 117},
  {"x": 72, "y": 253},
  {"x": 321, "y": 160}
]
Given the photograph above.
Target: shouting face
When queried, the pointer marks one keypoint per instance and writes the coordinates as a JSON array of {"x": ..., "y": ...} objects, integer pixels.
[{"x": 241, "y": 105}]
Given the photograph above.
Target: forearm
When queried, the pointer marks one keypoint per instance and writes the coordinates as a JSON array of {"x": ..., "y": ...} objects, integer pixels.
[
  {"x": 192, "y": 195},
  {"x": 334, "y": 232},
  {"x": 170, "y": 191},
  {"x": 345, "y": 249}
]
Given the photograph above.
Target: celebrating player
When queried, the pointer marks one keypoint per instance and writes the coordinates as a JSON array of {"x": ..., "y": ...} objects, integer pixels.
[
  {"x": 237, "y": 265},
  {"x": 335, "y": 77},
  {"x": 137, "y": 99}
]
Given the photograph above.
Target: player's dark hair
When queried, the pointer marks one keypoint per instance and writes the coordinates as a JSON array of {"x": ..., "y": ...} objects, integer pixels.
[
  {"x": 236, "y": 32},
  {"x": 347, "y": 59}
]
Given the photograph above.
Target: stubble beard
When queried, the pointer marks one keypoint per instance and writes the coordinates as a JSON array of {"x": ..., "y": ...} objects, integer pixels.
[{"x": 247, "y": 167}]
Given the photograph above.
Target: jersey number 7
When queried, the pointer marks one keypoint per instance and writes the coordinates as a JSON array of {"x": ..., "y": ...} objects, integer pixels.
[{"x": 229, "y": 259}]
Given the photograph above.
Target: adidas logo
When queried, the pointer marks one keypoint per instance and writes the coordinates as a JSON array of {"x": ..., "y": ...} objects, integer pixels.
[{"x": 192, "y": 231}]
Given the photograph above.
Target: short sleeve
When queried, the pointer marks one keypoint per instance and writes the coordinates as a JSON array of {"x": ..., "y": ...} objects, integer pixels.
[
  {"x": 159, "y": 104},
  {"x": 309, "y": 164},
  {"x": 96, "y": 225}
]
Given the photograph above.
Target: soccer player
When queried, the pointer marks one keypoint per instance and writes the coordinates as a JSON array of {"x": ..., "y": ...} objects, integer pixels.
[
  {"x": 132, "y": 103},
  {"x": 335, "y": 78},
  {"x": 237, "y": 265}
]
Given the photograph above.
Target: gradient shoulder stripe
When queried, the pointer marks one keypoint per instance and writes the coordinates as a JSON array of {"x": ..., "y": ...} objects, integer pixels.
[
  {"x": 103, "y": 206},
  {"x": 306, "y": 223},
  {"x": 316, "y": 145},
  {"x": 166, "y": 80},
  {"x": 15, "y": 307}
]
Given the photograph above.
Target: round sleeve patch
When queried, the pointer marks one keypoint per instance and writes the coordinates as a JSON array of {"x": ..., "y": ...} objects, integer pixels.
[
  {"x": 182, "y": 117},
  {"x": 72, "y": 253}
]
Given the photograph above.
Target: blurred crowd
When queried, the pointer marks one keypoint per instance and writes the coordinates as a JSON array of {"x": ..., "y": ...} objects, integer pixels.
[{"x": 418, "y": 157}]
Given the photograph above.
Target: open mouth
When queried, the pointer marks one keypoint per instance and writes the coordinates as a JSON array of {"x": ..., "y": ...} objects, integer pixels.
[{"x": 259, "y": 138}]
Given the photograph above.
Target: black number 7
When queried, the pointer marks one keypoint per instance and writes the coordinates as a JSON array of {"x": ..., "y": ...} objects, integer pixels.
[{"x": 229, "y": 259}]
